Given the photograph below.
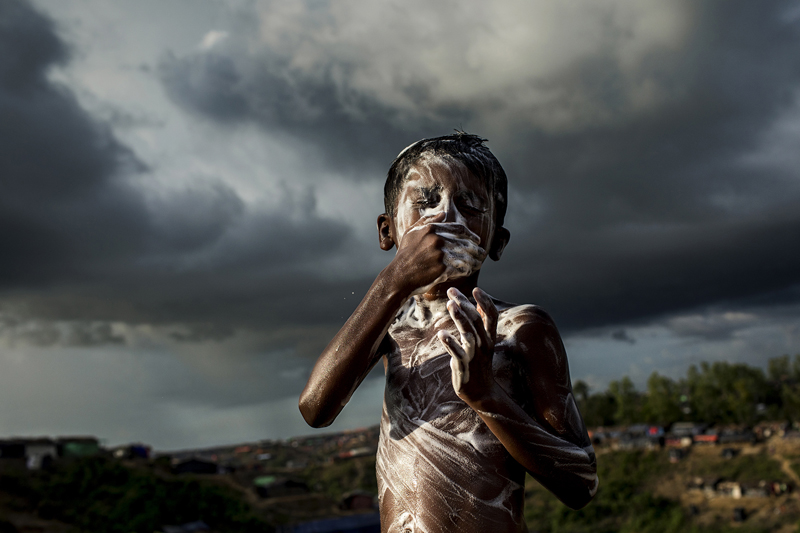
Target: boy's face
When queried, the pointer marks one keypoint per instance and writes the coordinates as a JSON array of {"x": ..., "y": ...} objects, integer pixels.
[{"x": 436, "y": 186}]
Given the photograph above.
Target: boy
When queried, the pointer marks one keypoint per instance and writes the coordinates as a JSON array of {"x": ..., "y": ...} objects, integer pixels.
[{"x": 477, "y": 390}]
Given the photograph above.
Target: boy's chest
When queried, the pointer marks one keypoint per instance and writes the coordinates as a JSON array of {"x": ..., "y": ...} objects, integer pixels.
[{"x": 419, "y": 378}]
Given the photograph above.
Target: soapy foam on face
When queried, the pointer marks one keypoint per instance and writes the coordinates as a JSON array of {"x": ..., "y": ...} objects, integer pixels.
[
  {"x": 422, "y": 172},
  {"x": 462, "y": 256}
]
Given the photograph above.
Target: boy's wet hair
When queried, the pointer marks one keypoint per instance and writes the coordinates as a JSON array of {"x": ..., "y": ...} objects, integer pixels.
[{"x": 465, "y": 148}]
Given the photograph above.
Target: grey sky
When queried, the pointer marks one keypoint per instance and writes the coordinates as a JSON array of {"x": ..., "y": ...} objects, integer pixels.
[{"x": 190, "y": 191}]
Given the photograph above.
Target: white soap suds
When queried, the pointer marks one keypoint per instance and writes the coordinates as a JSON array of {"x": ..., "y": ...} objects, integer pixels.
[
  {"x": 439, "y": 466},
  {"x": 430, "y": 435}
]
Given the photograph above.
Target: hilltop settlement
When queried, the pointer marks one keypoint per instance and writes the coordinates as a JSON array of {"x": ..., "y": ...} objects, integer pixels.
[{"x": 712, "y": 477}]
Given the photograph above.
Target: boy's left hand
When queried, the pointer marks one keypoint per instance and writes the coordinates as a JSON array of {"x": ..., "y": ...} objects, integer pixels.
[{"x": 471, "y": 358}]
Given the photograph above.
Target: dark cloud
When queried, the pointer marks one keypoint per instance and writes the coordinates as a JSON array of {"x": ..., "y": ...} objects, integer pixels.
[
  {"x": 644, "y": 209},
  {"x": 59, "y": 334},
  {"x": 310, "y": 108},
  {"x": 202, "y": 332},
  {"x": 623, "y": 210},
  {"x": 622, "y": 336},
  {"x": 81, "y": 242},
  {"x": 61, "y": 206},
  {"x": 651, "y": 148}
]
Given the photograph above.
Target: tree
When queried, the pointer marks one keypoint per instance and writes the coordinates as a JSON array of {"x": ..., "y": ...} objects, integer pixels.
[
  {"x": 779, "y": 369},
  {"x": 726, "y": 393},
  {"x": 627, "y": 400},
  {"x": 662, "y": 405},
  {"x": 596, "y": 409},
  {"x": 784, "y": 376}
]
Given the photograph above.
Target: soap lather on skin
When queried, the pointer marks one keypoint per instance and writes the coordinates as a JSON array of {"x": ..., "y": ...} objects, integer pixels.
[
  {"x": 463, "y": 255},
  {"x": 470, "y": 379}
]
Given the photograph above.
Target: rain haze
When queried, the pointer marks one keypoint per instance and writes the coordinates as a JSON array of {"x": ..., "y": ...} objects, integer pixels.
[{"x": 190, "y": 189}]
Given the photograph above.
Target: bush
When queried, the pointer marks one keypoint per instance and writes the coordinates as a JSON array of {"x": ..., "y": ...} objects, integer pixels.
[{"x": 100, "y": 495}]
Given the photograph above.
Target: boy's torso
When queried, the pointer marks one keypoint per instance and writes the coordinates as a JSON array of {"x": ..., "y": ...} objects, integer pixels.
[{"x": 439, "y": 466}]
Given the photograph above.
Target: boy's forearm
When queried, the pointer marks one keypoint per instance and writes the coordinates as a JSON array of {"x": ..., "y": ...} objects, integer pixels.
[
  {"x": 566, "y": 469},
  {"x": 347, "y": 359}
]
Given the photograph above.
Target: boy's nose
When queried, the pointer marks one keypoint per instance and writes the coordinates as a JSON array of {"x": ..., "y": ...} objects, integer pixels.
[{"x": 451, "y": 212}]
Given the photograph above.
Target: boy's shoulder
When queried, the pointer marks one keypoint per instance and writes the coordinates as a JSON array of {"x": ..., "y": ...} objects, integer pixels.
[
  {"x": 512, "y": 317},
  {"x": 529, "y": 336},
  {"x": 527, "y": 332}
]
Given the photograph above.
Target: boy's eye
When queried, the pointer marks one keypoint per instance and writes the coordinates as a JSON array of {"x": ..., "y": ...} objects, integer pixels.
[
  {"x": 426, "y": 202},
  {"x": 472, "y": 209}
]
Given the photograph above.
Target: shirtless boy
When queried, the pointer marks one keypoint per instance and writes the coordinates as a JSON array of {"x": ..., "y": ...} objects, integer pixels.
[{"x": 478, "y": 391}]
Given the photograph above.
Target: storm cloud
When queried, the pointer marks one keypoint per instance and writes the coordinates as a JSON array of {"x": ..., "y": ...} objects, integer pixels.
[
  {"x": 63, "y": 205},
  {"x": 189, "y": 190},
  {"x": 86, "y": 241},
  {"x": 632, "y": 136}
]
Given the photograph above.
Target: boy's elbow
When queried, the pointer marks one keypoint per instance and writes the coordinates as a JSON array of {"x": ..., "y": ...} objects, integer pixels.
[
  {"x": 577, "y": 502},
  {"x": 581, "y": 496},
  {"x": 312, "y": 413}
]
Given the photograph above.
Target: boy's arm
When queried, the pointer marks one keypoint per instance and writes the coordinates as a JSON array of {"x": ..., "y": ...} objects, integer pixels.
[
  {"x": 356, "y": 348},
  {"x": 548, "y": 439},
  {"x": 352, "y": 353}
]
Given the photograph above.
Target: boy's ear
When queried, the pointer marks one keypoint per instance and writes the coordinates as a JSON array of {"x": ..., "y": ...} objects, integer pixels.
[
  {"x": 499, "y": 242},
  {"x": 385, "y": 231}
]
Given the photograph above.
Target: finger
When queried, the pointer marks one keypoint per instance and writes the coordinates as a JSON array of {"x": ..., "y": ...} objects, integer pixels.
[
  {"x": 488, "y": 312},
  {"x": 454, "y": 229},
  {"x": 452, "y": 346},
  {"x": 465, "y": 252},
  {"x": 459, "y": 373},
  {"x": 420, "y": 224},
  {"x": 458, "y": 297},
  {"x": 484, "y": 336},
  {"x": 427, "y": 220},
  {"x": 463, "y": 246},
  {"x": 469, "y": 337},
  {"x": 462, "y": 263},
  {"x": 459, "y": 361}
]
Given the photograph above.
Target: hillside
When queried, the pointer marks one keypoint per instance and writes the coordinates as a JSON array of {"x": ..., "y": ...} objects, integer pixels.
[{"x": 641, "y": 490}]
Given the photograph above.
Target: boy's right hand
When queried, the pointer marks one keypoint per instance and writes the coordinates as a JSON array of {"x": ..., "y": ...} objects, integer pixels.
[{"x": 433, "y": 251}]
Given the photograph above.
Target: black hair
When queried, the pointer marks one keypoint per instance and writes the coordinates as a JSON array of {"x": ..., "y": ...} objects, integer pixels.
[{"x": 465, "y": 148}]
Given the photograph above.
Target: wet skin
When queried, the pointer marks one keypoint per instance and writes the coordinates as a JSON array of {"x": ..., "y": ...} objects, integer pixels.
[{"x": 478, "y": 391}]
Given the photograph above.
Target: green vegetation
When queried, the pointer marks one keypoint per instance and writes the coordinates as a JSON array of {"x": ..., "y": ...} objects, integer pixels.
[
  {"x": 745, "y": 469},
  {"x": 338, "y": 478},
  {"x": 619, "y": 506},
  {"x": 101, "y": 495},
  {"x": 626, "y": 501},
  {"x": 716, "y": 393}
]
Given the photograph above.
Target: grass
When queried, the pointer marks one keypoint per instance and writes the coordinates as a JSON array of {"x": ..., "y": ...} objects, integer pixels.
[
  {"x": 341, "y": 477},
  {"x": 619, "y": 506},
  {"x": 625, "y": 502},
  {"x": 744, "y": 468}
]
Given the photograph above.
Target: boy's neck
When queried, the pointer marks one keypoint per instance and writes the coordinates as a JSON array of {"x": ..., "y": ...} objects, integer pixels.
[
  {"x": 431, "y": 306},
  {"x": 428, "y": 311},
  {"x": 439, "y": 292}
]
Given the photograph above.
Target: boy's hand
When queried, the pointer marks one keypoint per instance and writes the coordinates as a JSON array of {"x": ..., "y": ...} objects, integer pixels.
[
  {"x": 471, "y": 358},
  {"x": 433, "y": 251}
]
